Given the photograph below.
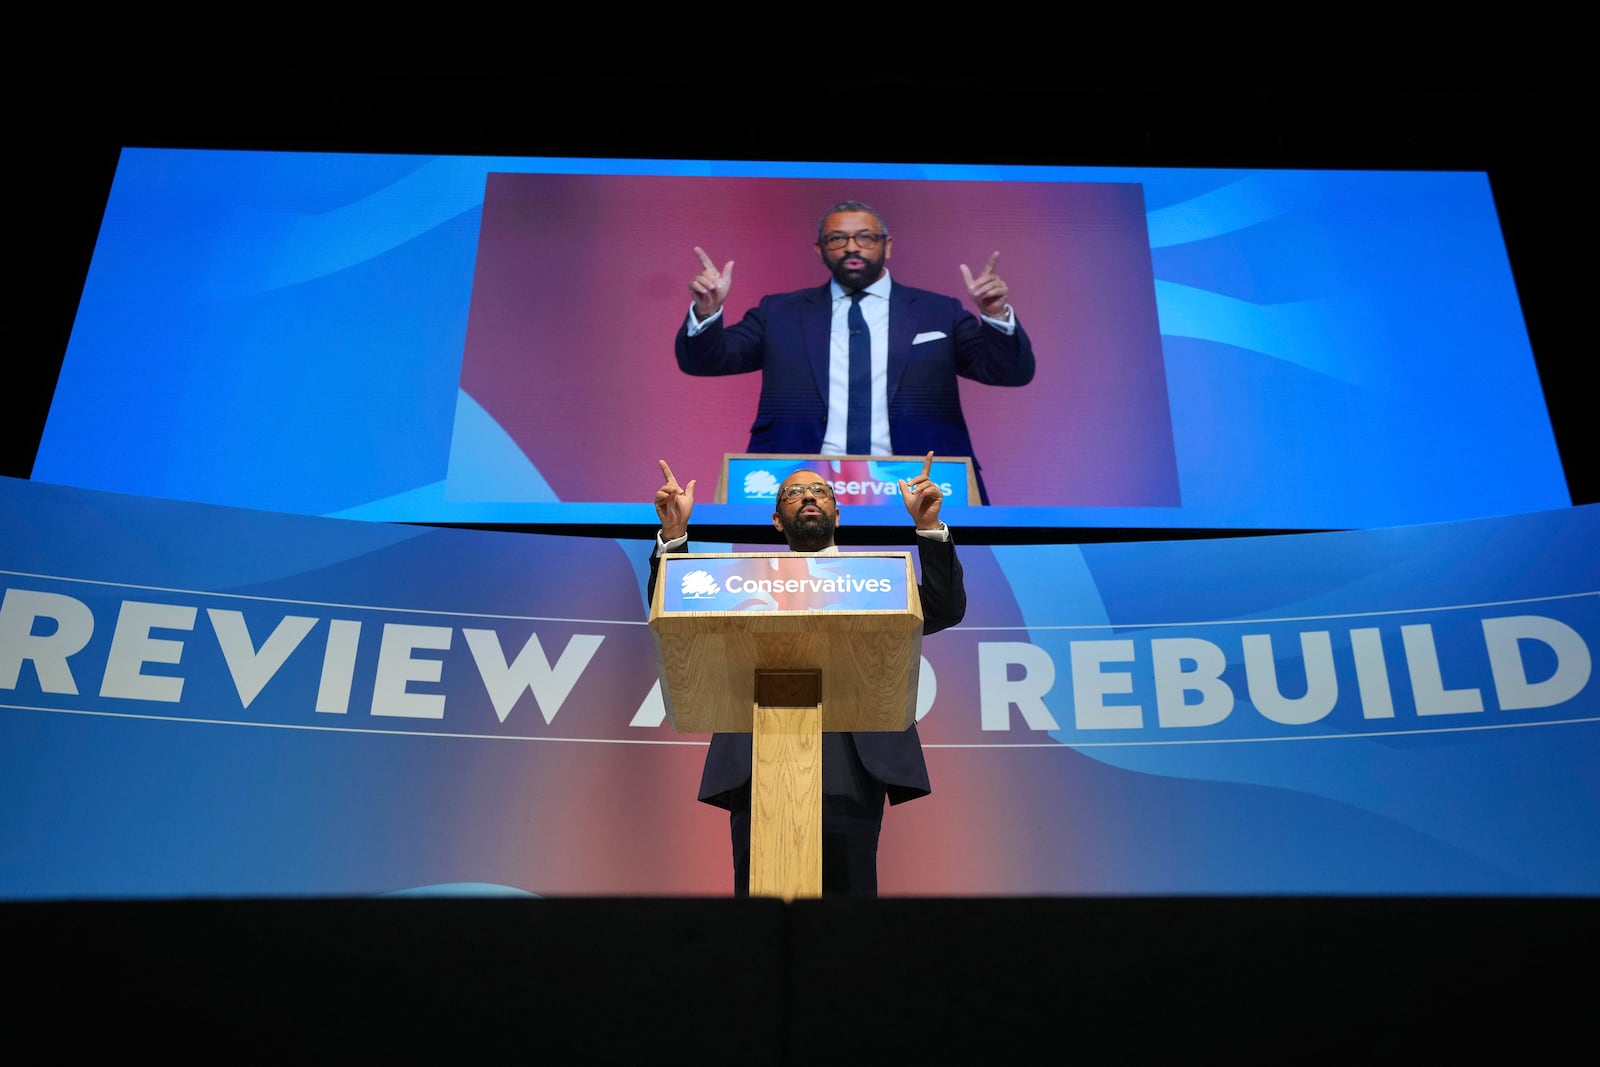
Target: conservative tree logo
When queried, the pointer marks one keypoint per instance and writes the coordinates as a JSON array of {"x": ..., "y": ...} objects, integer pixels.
[
  {"x": 760, "y": 483},
  {"x": 699, "y": 585}
]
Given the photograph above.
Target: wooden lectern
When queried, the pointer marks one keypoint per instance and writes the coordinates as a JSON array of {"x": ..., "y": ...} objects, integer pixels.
[{"x": 801, "y": 645}]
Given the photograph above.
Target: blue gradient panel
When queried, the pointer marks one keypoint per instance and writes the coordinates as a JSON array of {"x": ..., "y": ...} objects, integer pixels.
[
  {"x": 201, "y": 700},
  {"x": 287, "y": 330}
]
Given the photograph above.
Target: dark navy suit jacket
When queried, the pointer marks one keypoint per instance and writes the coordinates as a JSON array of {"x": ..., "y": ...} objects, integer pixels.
[
  {"x": 787, "y": 338},
  {"x": 892, "y": 757}
]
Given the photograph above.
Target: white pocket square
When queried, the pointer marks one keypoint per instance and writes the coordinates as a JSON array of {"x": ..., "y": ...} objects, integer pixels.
[{"x": 930, "y": 335}]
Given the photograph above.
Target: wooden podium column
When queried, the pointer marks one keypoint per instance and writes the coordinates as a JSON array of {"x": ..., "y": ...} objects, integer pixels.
[{"x": 786, "y": 785}]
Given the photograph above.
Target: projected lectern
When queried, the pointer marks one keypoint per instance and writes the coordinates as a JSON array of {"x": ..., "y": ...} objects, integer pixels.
[
  {"x": 784, "y": 646},
  {"x": 753, "y": 477}
]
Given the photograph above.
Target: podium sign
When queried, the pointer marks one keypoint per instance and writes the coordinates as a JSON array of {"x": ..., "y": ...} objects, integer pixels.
[
  {"x": 753, "y": 478},
  {"x": 785, "y": 646}
]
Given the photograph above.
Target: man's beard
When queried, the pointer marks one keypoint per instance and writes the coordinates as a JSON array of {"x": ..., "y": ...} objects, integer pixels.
[
  {"x": 856, "y": 278},
  {"x": 808, "y": 532}
]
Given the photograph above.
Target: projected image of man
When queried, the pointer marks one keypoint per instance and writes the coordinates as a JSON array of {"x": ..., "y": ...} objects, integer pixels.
[{"x": 860, "y": 366}]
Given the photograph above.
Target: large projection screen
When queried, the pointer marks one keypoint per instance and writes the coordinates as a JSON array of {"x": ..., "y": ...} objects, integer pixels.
[{"x": 487, "y": 339}]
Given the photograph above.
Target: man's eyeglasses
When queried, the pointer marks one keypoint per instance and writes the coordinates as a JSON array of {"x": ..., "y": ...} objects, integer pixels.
[
  {"x": 865, "y": 239},
  {"x": 795, "y": 492}
]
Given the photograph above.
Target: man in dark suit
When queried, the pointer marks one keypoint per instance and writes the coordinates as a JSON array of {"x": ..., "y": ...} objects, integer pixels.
[
  {"x": 859, "y": 770},
  {"x": 907, "y": 401}
]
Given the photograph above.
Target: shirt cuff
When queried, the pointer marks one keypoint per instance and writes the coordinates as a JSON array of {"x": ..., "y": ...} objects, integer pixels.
[
  {"x": 670, "y": 546},
  {"x": 1005, "y": 326},
  {"x": 696, "y": 325},
  {"x": 941, "y": 534}
]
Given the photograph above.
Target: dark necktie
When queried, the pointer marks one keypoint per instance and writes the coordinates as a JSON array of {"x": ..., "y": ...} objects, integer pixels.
[{"x": 858, "y": 427}]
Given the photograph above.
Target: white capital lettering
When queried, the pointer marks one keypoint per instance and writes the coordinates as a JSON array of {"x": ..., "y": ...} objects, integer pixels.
[
  {"x": 19, "y": 612},
  {"x": 997, "y": 692},
  {"x": 132, "y": 647},
  {"x": 396, "y": 668},
  {"x": 1372, "y": 674},
  {"x": 338, "y": 666},
  {"x": 530, "y": 671},
  {"x": 1511, "y": 685},
  {"x": 1261, "y": 679},
  {"x": 251, "y": 668},
  {"x": 927, "y": 688},
  {"x": 1090, "y": 684},
  {"x": 1168, "y": 655},
  {"x": 653, "y": 711},
  {"x": 1427, "y": 683}
]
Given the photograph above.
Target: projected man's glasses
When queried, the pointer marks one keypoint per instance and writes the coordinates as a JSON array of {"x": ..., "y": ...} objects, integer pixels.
[
  {"x": 865, "y": 239},
  {"x": 795, "y": 492}
]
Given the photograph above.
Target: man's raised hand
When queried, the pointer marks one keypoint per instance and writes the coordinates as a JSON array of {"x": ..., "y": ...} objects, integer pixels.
[
  {"x": 988, "y": 289},
  {"x": 710, "y": 287},
  {"x": 673, "y": 505},
  {"x": 923, "y": 497}
]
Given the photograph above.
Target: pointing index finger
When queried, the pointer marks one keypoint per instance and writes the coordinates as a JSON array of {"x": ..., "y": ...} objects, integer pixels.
[
  {"x": 705, "y": 260},
  {"x": 666, "y": 472},
  {"x": 989, "y": 269},
  {"x": 927, "y": 467}
]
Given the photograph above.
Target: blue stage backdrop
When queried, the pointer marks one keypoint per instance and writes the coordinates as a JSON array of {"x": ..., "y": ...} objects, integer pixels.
[{"x": 201, "y": 700}]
